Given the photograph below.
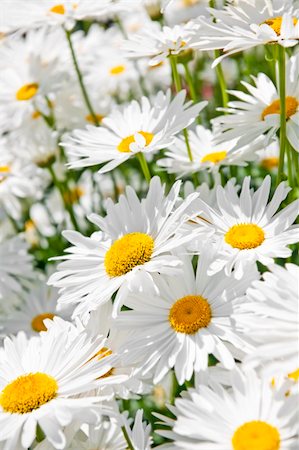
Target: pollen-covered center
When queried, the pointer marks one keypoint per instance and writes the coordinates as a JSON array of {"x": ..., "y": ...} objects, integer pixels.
[
  {"x": 214, "y": 157},
  {"x": 27, "y": 91},
  {"x": 294, "y": 375},
  {"x": 28, "y": 392},
  {"x": 245, "y": 236},
  {"x": 274, "y": 108},
  {"x": 117, "y": 70},
  {"x": 256, "y": 435},
  {"x": 37, "y": 323},
  {"x": 91, "y": 118},
  {"x": 270, "y": 163},
  {"x": 127, "y": 252},
  {"x": 124, "y": 145},
  {"x": 189, "y": 314},
  {"x": 275, "y": 23},
  {"x": 58, "y": 9}
]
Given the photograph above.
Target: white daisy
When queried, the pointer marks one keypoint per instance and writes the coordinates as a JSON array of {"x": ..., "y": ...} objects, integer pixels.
[
  {"x": 248, "y": 416},
  {"x": 139, "y": 433},
  {"x": 15, "y": 265},
  {"x": 139, "y": 127},
  {"x": 269, "y": 157},
  {"x": 137, "y": 239},
  {"x": 188, "y": 318},
  {"x": 259, "y": 111},
  {"x": 207, "y": 154},
  {"x": 40, "y": 378},
  {"x": 246, "y": 227},
  {"x": 272, "y": 321},
  {"x": 250, "y": 23}
]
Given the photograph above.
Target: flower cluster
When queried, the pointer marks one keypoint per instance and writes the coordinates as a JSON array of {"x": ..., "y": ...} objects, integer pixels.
[{"x": 149, "y": 199}]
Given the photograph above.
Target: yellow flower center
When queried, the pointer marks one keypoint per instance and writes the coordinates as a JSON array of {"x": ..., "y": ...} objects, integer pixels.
[
  {"x": 124, "y": 145},
  {"x": 188, "y": 3},
  {"x": 294, "y": 375},
  {"x": 73, "y": 196},
  {"x": 28, "y": 392},
  {"x": 58, "y": 9},
  {"x": 275, "y": 23},
  {"x": 37, "y": 322},
  {"x": 256, "y": 435},
  {"x": 189, "y": 314},
  {"x": 291, "y": 107},
  {"x": 127, "y": 252},
  {"x": 35, "y": 115},
  {"x": 214, "y": 157},
  {"x": 116, "y": 70},
  {"x": 270, "y": 163},
  {"x": 245, "y": 236},
  {"x": 4, "y": 169},
  {"x": 90, "y": 118},
  {"x": 27, "y": 91}
]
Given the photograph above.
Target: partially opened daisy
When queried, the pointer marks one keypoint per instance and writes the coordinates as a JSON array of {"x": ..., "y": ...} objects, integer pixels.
[
  {"x": 136, "y": 240},
  {"x": 248, "y": 228},
  {"x": 145, "y": 127},
  {"x": 272, "y": 321},
  {"x": 40, "y": 381},
  {"x": 259, "y": 111},
  {"x": 188, "y": 318},
  {"x": 207, "y": 153},
  {"x": 249, "y": 24},
  {"x": 248, "y": 416}
]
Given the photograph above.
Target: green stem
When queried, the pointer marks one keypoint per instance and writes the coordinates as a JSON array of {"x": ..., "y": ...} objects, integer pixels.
[
  {"x": 289, "y": 160},
  {"x": 127, "y": 438},
  {"x": 80, "y": 79},
  {"x": 178, "y": 88},
  {"x": 283, "y": 122},
  {"x": 221, "y": 81},
  {"x": 40, "y": 435},
  {"x": 61, "y": 190},
  {"x": 296, "y": 165},
  {"x": 144, "y": 166},
  {"x": 190, "y": 82}
]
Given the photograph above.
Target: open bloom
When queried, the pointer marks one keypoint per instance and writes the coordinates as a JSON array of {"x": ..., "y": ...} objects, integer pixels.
[
  {"x": 40, "y": 378},
  {"x": 139, "y": 127},
  {"x": 190, "y": 317},
  {"x": 136, "y": 240},
  {"x": 249, "y": 415},
  {"x": 250, "y": 23},
  {"x": 259, "y": 111},
  {"x": 246, "y": 227}
]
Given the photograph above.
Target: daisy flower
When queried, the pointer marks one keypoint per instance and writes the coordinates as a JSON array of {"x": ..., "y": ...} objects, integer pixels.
[
  {"x": 15, "y": 265},
  {"x": 269, "y": 157},
  {"x": 38, "y": 303},
  {"x": 40, "y": 378},
  {"x": 189, "y": 317},
  {"x": 247, "y": 229},
  {"x": 207, "y": 154},
  {"x": 158, "y": 44},
  {"x": 259, "y": 111},
  {"x": 247, "y": 416},
  {"x": 136, "y": 240},
  {"x": 247, "y": 25},
  {"x": 272, "y": 320},
  {"x": 140, "y": 127},
  {"x": 139, "y": 433}
]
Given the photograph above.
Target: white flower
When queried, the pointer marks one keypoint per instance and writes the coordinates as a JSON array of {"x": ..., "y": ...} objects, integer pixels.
[
  {"x": 269, "y": 157},
  {"x": 248, "y": 416},
  {"x": 271, "y": 318},
  {"x": 137, "y": 239},
  {"x": 190, "y": 317},
  {"x": 157, "y": 43},
  {"x": 259, "y": 111},
  {"x": 246, "y": 227},
  {"x": 40, "y": 378},
  {"x": 15, "y": 265},
  {"x": 139, "y": 433},
  {"x": 251, "y": 23},
  {"x": 206, "y": 153},
  {"x": 139, "y": 127}
]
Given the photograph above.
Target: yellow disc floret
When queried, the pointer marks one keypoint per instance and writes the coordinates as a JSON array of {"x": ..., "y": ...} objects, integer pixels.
[
  {"x": 116, "y": 70},
  {"x": 37, "y": 323},
  {"x": 124, "y": 145},
  {"x": 129, "y": 251},
  {"x": 275, "y": 23},
  {"x": 58, "y": 9},
  {"x": 189, "y": 314},
  {"x": 214, "y": 157},
  {"x": 245, "y": 236},
  {"x": 274, "y": 108},
  {"x": 91, "y": 119},
  {"x": 28, "y": 392},
  {"x": 256, "y": 435},
  {"x": 270, "y": 163},
  {"x": 294, "y": 375},
  {"x": 27, "y": 91}
]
